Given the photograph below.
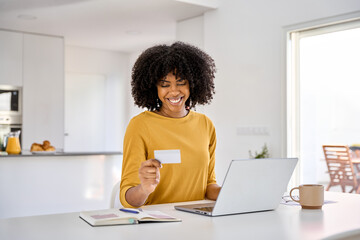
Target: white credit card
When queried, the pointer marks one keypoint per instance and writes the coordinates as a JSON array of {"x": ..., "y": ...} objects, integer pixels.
[{"x": 168, "y": 156}]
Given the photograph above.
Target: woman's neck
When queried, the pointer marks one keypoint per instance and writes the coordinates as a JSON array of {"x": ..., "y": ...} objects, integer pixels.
[{"x": 164, "y": 113}]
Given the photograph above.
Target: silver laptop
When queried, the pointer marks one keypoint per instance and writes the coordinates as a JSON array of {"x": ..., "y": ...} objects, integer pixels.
[{"x": 250, "y": 185}]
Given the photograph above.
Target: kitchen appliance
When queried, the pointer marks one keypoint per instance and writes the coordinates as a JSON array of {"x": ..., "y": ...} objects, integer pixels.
[
  {"x": 10, "y": 100},
  {"x": 10, "y": 112},
  {"x": 9, "y": 124}
]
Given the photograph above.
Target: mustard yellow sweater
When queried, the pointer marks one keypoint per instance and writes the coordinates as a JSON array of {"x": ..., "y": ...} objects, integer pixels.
[{"x": 194, "y": 135}]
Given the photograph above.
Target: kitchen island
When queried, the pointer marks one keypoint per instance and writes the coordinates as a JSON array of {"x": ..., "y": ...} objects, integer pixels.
[
  {"x": 34, "y": 184},
  {"x": 47, "y": 154}
]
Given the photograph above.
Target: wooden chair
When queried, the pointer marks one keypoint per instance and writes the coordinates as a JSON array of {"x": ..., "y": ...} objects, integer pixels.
[{"x": 341, "y": 169}]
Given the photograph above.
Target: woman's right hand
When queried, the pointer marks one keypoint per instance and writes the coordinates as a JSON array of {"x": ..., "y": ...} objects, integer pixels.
[{"x": 149, "y": 174}]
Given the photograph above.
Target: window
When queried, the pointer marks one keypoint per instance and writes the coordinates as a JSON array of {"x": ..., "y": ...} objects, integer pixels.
[{"x": 323, "y": 88}]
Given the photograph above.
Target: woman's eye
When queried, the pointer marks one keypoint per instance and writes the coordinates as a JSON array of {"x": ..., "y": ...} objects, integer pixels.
[{"x": 181, "y": 83}]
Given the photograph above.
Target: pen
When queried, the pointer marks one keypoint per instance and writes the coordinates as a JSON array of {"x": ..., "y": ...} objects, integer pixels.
[{"x": 129, "y": 210}]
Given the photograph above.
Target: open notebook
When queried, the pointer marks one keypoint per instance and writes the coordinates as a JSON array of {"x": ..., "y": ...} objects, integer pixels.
[{"x": 114, "y": 216}]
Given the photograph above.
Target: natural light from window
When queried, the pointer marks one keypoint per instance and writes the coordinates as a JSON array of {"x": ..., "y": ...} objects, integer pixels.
[{"x": 329, "y": 97}]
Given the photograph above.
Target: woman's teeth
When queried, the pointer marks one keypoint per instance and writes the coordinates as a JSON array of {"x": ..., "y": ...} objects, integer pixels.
[{"x": 175, "y": 100}]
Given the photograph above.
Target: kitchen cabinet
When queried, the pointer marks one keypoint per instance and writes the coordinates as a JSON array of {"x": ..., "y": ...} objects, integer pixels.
[
  {"x": 43, "y": 90},
  {"x": 11, "y": 58}
]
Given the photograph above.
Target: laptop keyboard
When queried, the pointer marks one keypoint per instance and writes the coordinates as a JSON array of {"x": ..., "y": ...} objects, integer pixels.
[{"x": 206, "y": 209}]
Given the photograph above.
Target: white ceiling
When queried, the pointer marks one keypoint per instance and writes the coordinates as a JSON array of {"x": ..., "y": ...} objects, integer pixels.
[{"x": 120, "y": 25}]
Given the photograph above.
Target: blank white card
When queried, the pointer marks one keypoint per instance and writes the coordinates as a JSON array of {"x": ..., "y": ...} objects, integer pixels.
[{"x": 168, "y": 156}]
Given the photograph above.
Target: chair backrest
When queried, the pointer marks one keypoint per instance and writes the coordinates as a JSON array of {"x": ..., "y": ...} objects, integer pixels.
[
  {"x": 115, "y": 196},
  {"x": 338, "y": 160}
]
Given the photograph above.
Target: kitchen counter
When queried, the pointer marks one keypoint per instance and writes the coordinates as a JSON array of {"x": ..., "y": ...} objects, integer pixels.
[
  {"x": 33, "y": 184},
  {"x": 47, "y": 154}
]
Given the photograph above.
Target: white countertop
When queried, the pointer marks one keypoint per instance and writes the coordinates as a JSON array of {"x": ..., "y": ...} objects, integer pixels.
[
  {"x": 56, "y": 154},
  {"x": 286, "y": 222}
]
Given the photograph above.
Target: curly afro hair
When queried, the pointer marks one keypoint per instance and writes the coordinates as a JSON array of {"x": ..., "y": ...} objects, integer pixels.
[{"x": 185, "y": 61}]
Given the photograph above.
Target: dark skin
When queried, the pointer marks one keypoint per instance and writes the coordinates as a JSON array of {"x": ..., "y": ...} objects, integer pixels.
[
  {"x": 173, "y": 93},
  {"x": 149, "y": 174}
]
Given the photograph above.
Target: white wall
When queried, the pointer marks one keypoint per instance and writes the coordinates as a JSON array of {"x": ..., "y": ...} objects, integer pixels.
[
  {"x": 191, "y": 31},
  {"x": 115, "y": 67},
  {"x": 132, "y": 109},
  {"x": 246, "y": 40}
]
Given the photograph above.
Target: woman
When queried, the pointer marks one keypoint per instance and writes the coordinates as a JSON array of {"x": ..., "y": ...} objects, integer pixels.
[{"x": 169, "y": 81}]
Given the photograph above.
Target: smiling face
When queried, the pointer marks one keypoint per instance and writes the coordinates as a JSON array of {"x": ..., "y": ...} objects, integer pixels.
[{"x": 173, "y": 93}]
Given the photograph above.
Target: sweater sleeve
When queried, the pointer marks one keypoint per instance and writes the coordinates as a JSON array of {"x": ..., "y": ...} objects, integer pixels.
[
  {"x": 212, "y": 147},
  {"x": 134, "y": 152}
]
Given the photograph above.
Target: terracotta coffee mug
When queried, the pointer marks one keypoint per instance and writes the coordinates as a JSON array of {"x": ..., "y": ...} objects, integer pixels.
[{"x": 311, "y": 196}]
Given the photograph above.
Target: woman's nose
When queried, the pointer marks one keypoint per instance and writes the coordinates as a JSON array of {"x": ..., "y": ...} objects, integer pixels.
[{"x": 174, "y": 88}]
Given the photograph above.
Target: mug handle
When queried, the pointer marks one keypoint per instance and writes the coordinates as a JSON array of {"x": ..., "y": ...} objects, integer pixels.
[{"x": 291, "y": 196}]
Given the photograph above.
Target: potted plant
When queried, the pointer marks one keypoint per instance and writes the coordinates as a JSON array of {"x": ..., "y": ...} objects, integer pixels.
[{"x": 263, "y": 154}]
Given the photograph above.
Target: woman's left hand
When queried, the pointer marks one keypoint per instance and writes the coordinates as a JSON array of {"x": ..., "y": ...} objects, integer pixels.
[{"x": 212, "y": 191}]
